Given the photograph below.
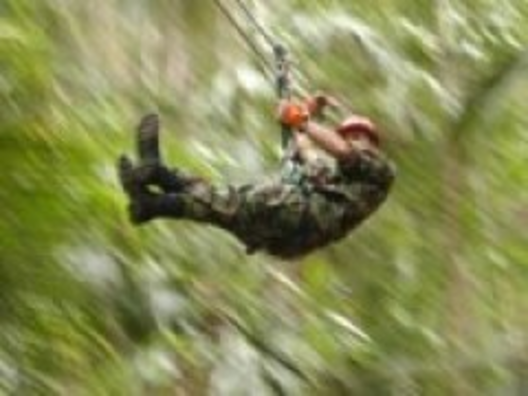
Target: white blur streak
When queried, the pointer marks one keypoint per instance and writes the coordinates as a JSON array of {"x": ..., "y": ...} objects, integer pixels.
[
  {"x": 347, "y": 324},
  {"x": 336, "y": 318},
  {"x": 252, "y": 80}
]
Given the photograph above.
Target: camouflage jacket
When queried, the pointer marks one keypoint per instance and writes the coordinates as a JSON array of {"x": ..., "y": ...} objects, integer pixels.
[{"x": 312, "y": 206}]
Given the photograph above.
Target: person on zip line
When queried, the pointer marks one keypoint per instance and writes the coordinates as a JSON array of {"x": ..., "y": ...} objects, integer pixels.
[{"x": 334, "y": 179}]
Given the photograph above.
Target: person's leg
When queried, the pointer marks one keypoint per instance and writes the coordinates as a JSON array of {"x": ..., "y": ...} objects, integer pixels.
[
  {"x": 147, "y": 141},
  {"x": 262, "y": 217},
  {"x": 167, "y": 180},
  {"x": 199, "y": 201},
  {"x": 151, "y": 170},
  {"x": 135, "y": 189}
]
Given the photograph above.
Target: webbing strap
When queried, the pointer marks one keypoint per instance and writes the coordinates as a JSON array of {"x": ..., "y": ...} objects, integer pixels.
[{"x": 283, "y": 86}]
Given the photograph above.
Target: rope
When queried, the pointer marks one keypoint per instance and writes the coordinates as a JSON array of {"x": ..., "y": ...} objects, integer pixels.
[
  {"x": 302, "y": 85},
  {"x": 281, "y": 69},
  {"x": 256, "y": 23},
  {"x": 265, "y": 64},
  {"x": 279, "y": 72},
  {"x": 269, "y": 39}
]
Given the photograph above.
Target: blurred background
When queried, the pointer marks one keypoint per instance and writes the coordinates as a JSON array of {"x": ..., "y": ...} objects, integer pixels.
[{"x": 428, "y": 297}]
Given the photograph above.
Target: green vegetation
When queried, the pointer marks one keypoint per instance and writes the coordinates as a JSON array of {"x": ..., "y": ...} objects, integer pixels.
[{"x": 429, "y": 297}]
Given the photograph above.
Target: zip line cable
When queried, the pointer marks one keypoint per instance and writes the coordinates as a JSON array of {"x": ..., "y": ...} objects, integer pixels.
[
  {"x": 264, "y": 61},
  {"x": 258, "y": 26},
  {"x": 302, "y": 81},
  {"x": 302, "y": 88},
  {"x": 266, "y": 64},
  {"x": 281, "y": 67},
  {"x": 279, "y": 72}
]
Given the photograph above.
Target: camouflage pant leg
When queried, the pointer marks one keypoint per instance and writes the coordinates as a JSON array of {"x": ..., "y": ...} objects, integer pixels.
[
  {"x": 259, "y": 215},
  {"x": 201, "y": 201},
  {"x": 282, "y": 219},
  {"x": 293, "y": 221},
  {"x": 270, "y": 216}
]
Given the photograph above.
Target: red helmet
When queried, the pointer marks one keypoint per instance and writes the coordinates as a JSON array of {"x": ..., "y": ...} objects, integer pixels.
[{"x": 357, "y": 125}]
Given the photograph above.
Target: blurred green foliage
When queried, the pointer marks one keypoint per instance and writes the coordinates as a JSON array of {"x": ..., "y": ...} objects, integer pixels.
[{"x": 427, "y": 298}]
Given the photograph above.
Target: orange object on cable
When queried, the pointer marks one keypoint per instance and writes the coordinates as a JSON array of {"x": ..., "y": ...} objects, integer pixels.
[
  {"x": 357, "y": 125},
  {"x": 294, "y": 115}
]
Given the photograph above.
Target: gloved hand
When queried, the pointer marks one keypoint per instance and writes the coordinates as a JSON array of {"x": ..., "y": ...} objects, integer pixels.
[
  {"x": 318, "y": 102},
  {"x": 293, "y": 115}
]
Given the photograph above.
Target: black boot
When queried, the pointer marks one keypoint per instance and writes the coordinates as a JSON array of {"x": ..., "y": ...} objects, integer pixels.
[
  {"x": 139, "y": 211},
  {"x": 128, "y": 178},
  {"x": 151, "y": 170},
  {"x": 167, "y": 180},
  {"x": 148, "y": 141},
  {"x": 173, "y": 180}
]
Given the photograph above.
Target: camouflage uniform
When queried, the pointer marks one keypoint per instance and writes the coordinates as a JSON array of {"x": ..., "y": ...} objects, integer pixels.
[{"x": 309, "y": 208}]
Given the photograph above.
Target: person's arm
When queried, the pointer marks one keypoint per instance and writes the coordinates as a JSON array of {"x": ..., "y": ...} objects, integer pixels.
[
  {"x": 297, "y": 117},
  {"x": 305, "y": 147},
  {"x": 328, "y": 140},
  {"x": 318, "y": 103}
]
